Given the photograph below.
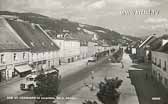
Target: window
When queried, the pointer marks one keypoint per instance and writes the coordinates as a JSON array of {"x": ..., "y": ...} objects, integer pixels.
[
  {"x": 159, "y": 63},
  {"x": 2, "y": 59},
  {"x": 165, "y": 64},
  {"x": 24, "y": 55},
  {"x": 32, "y": 55},
  {"x": 14, "y": 56}
]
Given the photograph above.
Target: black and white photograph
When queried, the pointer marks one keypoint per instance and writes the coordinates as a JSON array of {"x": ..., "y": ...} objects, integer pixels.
[{"x": 83, "y": 51}]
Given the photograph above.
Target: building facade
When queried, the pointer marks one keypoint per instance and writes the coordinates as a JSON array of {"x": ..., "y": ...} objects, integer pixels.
[
  {"x": 69, "y": 50},
  {"x": 160, "y": 67},
  {"x": 43, "y": 51},
  {"x": 92, "y": 48},
  {"x": 13, "y": 52}
]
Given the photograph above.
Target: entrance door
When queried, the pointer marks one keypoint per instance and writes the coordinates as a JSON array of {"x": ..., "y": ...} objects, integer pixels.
[
  {"x": 2, "y": 75},
  {"x": 69, "y": 60}
]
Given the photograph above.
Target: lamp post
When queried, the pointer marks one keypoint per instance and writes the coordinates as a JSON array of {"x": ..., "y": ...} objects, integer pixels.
[{"x": 92, "y": 80}]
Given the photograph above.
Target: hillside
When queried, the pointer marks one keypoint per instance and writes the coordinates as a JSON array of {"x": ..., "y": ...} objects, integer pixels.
[{"x": 75, "y": 30}]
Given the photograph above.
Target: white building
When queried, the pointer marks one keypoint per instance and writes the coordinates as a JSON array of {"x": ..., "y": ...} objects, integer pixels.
[
  {"x": 83, "y": 49},
  {"x": 13, "y": 52},
  {"x": 92, "y": 48},
  {"x": 43, "y": 51},
  {"x": 69, "y": 49},
  {"x": 160, "y": 64}
]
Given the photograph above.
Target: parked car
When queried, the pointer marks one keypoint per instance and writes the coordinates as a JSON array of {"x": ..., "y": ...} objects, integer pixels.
[{"x": 92, "y": 59}]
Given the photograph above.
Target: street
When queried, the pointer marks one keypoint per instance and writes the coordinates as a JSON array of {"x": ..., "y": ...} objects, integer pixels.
[
  {"x": 79, "y": 69},
  {"x": 83, "y": 52},
  {"x": 76, "y": 84},
  {"x": 80, "y": 92}
]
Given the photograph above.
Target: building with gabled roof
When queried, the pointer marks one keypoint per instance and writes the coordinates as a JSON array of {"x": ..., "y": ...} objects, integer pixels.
[
  {"x": 9, "y": 39},
  {"x": 147, "y": 41},
  {"x": 144, "y": 50},
  {"x": 32, "y": 35},
  {"x": 43, "y": 51},
  {"x": 160, "y": 64},
  {"x": 13, "y": 52}
]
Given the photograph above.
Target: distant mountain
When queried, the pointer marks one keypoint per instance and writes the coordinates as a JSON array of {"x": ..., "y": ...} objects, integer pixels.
[{"x": 75, "y": 30}]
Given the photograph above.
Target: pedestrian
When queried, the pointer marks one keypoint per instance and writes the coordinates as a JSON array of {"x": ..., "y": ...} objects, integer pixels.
[{"x": 122, "y": 64}]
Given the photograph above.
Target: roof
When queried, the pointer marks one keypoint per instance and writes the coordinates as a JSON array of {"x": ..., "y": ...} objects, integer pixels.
[
  {"x": 155, "y": 44},
  {"x": 147, "y": 41},
  {"x": 9, "y": 41},
  {"x": 135, "y": 44},
  {"x": 164, "y": 48},
  {"x": 33, "y": 36},
  {"x": 164, "y": 36}
]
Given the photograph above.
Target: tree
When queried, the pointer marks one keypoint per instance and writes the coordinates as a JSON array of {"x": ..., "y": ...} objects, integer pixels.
[
  {"x": 108, "y": 93},
  {"x": 47, "y": 86},
  {"x": 89, "y": 102}
]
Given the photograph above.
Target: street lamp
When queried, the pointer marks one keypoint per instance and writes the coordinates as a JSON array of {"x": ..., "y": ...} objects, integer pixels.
[{"x": 92, "y": 79}]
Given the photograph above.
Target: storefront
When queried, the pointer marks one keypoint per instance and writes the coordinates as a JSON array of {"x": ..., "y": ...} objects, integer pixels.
[
  {"x": 2, "y": 75},
  {"x": 23, "y": 70}
]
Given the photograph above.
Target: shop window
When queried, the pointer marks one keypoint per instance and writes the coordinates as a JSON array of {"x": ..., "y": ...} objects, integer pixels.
[
  {"x": 24, "y": 55},
  {"x": 32, "y": 56},
  {"x": 165, "y": 64},
  {"x": 2, "y": 59},
  {"x": 14, "y": 57},
  {"x": 159, "y": 65}
]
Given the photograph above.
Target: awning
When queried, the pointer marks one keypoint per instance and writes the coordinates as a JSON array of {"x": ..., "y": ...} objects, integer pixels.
[{"x": 23, "y": 68}]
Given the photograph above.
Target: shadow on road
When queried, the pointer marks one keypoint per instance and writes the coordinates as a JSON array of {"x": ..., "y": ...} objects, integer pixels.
[{"x": 146, "y": 85}]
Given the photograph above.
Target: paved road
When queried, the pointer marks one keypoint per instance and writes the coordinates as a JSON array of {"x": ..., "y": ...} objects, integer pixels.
[
  {"x": 81, "y": 92},
  {"x": 12, "y": 88}
]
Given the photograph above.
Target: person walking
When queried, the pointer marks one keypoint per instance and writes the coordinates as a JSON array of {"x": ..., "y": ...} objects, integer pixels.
[{"x": 122, "y": 64}]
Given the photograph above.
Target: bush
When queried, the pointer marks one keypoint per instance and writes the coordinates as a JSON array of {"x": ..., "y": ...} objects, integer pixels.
[
  {"x": 47, "y": 86},
  {"x": 89, "y": 102},
  {"x": 108, "y": 93}
]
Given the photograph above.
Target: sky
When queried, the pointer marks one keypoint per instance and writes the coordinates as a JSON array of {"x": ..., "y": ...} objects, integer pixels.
[{"x": 130, "y": 17}]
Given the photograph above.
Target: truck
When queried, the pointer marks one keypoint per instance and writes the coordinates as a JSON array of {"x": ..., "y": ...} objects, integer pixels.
[{"x": 30, "y": 82}]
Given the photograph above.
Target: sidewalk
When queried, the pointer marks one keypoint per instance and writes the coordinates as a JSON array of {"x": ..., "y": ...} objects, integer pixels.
[{"x": 128, "y": 92}]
